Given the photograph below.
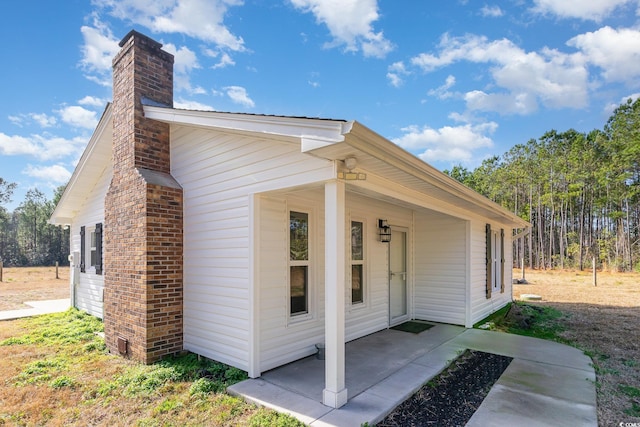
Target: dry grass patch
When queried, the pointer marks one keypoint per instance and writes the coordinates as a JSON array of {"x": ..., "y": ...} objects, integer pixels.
[
  {"x": 56, "y": 372},
  {"x": 20, "y": 284},
  {"x": 604, "y": 321}
]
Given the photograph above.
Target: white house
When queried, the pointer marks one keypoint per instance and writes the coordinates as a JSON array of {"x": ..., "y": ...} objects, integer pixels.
[{"x": 295, "y": 231}]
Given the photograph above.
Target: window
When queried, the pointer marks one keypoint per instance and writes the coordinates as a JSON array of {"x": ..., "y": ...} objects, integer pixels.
[
  {"x": 494, "y": 260},
  {"x": 298, "y": 263},
  {"x": 91, "y": 247},
  {"x": 357, "y": 262}
]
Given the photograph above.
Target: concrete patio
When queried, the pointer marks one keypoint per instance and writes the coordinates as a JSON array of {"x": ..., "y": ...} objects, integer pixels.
[{"x": 547, "y": 384}]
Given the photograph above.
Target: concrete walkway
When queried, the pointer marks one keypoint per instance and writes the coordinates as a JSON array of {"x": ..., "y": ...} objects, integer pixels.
[
  {"x": 547, "y": 384},
  {"x": 37, "y": 308}
]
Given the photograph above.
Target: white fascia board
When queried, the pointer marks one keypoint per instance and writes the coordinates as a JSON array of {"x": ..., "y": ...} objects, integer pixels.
[
  {"x": 66, "y": 208},
  {"x": 375, "y": 145},
  {"x": 60, "y": 221},
  {"x": 325, "y": 131}
]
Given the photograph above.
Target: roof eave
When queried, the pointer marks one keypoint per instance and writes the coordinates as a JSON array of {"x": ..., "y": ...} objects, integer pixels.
[
  {"x": 374, "y": 144},
  {"x": 325, "y": 131},
  {"x": 64, "y": 211}
]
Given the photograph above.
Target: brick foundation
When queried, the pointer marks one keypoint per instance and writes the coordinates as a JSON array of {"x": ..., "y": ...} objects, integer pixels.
[{"x": 143, "y": 237}]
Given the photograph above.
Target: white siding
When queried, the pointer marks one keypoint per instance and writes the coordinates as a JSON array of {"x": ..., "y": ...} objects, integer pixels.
[
  {"x": 283, "y": 340},
  {"x": 440, "y": 268},
  {"x": 373, "y": 315},
  {"x": 90, "y": 289},
  {"x": 218, "y": 172},
  {"x": 481, "y": 306}
]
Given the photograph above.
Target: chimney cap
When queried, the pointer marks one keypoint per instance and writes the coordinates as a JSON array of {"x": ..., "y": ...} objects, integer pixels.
[{"x": 133, "y": 33}]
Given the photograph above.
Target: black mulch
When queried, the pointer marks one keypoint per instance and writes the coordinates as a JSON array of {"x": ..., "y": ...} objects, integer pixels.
[{"x": 451, "y": 398}]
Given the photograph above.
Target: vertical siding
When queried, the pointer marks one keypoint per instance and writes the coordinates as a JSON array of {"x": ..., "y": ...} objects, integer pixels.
[
  {"x": 90, "y": 288},
  {"x": 481, "y": 306},
  {"x": 218, "y": 172},
  {"x": 440, "y": 268}
]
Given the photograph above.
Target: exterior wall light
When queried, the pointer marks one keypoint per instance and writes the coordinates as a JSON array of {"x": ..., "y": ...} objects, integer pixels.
[
  {"x": 350, "y": 163},
  {"x": 384, "y": 231}
]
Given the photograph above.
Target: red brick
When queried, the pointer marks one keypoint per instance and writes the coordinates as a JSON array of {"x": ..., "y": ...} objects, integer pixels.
[{"x": 137, "y": 212}]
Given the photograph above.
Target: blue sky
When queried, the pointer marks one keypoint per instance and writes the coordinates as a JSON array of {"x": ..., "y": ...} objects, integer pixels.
[{"x": 452, "y": 82}]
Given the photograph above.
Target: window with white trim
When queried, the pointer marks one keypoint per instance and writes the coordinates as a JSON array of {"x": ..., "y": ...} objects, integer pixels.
[
  {"x": 357, "y": 262},
  {"x": 91, "y": 248},
  {"x": 298, "y": 263},
  {"x": 494, "y": 260}
]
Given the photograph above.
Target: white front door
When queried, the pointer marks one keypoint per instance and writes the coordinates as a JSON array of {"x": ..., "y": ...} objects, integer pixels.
[{"x": 398, "y": 277}]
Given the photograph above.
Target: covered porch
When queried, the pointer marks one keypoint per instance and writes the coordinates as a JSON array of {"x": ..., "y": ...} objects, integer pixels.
[
  {"x": 420, "y": 272},
  {"x": 385, "y": 368}
]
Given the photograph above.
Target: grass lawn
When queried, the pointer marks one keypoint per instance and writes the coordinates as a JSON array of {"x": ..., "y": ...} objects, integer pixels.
[
  {"x": 55, "y": 371},
  {"x": 602, "y": 320}
]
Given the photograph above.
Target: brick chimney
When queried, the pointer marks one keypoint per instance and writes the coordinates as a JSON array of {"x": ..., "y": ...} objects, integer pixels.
[{"x": 143, "y": 211}]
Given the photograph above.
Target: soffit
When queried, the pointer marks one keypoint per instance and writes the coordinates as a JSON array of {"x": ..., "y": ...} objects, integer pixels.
[{"x": 95, "y": 159}]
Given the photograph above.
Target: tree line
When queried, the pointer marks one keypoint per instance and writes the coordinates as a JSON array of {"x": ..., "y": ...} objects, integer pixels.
[
  {"x": 26, "y": 237},
  {"x": 580, "y": 192}
]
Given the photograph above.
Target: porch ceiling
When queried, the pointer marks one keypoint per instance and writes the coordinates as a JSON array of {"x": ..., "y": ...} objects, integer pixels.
[{"x": 395, "y": 165}]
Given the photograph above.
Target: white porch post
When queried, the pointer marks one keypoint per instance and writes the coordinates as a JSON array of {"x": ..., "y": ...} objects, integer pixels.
[{"x": 335, "y": 392}]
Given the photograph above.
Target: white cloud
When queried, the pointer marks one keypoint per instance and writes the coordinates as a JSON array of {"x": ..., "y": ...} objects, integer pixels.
[
  {"x": 611, "y": 107},
  {"x": 442, "y": 92},
  {"x": 184, "y": 104},
  {"x": 78, "y": 116},
  {"x": 98, "y": 50},
  {"x": 225, "y": 61},
  {"x": 615, "y": 51},
  {"x": 43, "y": 120},
  {"x": 239, "y": 95},
  {"x": 41, "y": 147},
  {"x": 553, "y": 78},
  {"x": 396, "y": 73},
  {"x": 56, "y": 174},
  {"x": 92, "y": 101},
  {"x": 350, "y": 24},
  {"x": 15, "y": 145},
  {"x": 185, "y": 61},
  {"x": 449, "y": 143},
  {"x": 594, "y": 10},
  {"x": 16, "y": 120},
  {"x": 200, "y": 19},
  {"x": 516, "y": 103},
  {"x": 491, "y": 11}
]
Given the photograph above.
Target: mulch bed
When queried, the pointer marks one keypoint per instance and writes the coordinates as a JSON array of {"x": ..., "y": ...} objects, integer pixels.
[{"x": 451, "y": 398}]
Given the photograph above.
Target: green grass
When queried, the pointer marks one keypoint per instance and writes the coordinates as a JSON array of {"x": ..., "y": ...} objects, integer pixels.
[
  {"x": 634, "y": 411},
  {"x": 496, "y": 317},
  {"x": 61, "y": 329},
  {"x": 628, "y": 390},
  {"x": 529, "y": 320},
  {"x": 65, "y": 373}
]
